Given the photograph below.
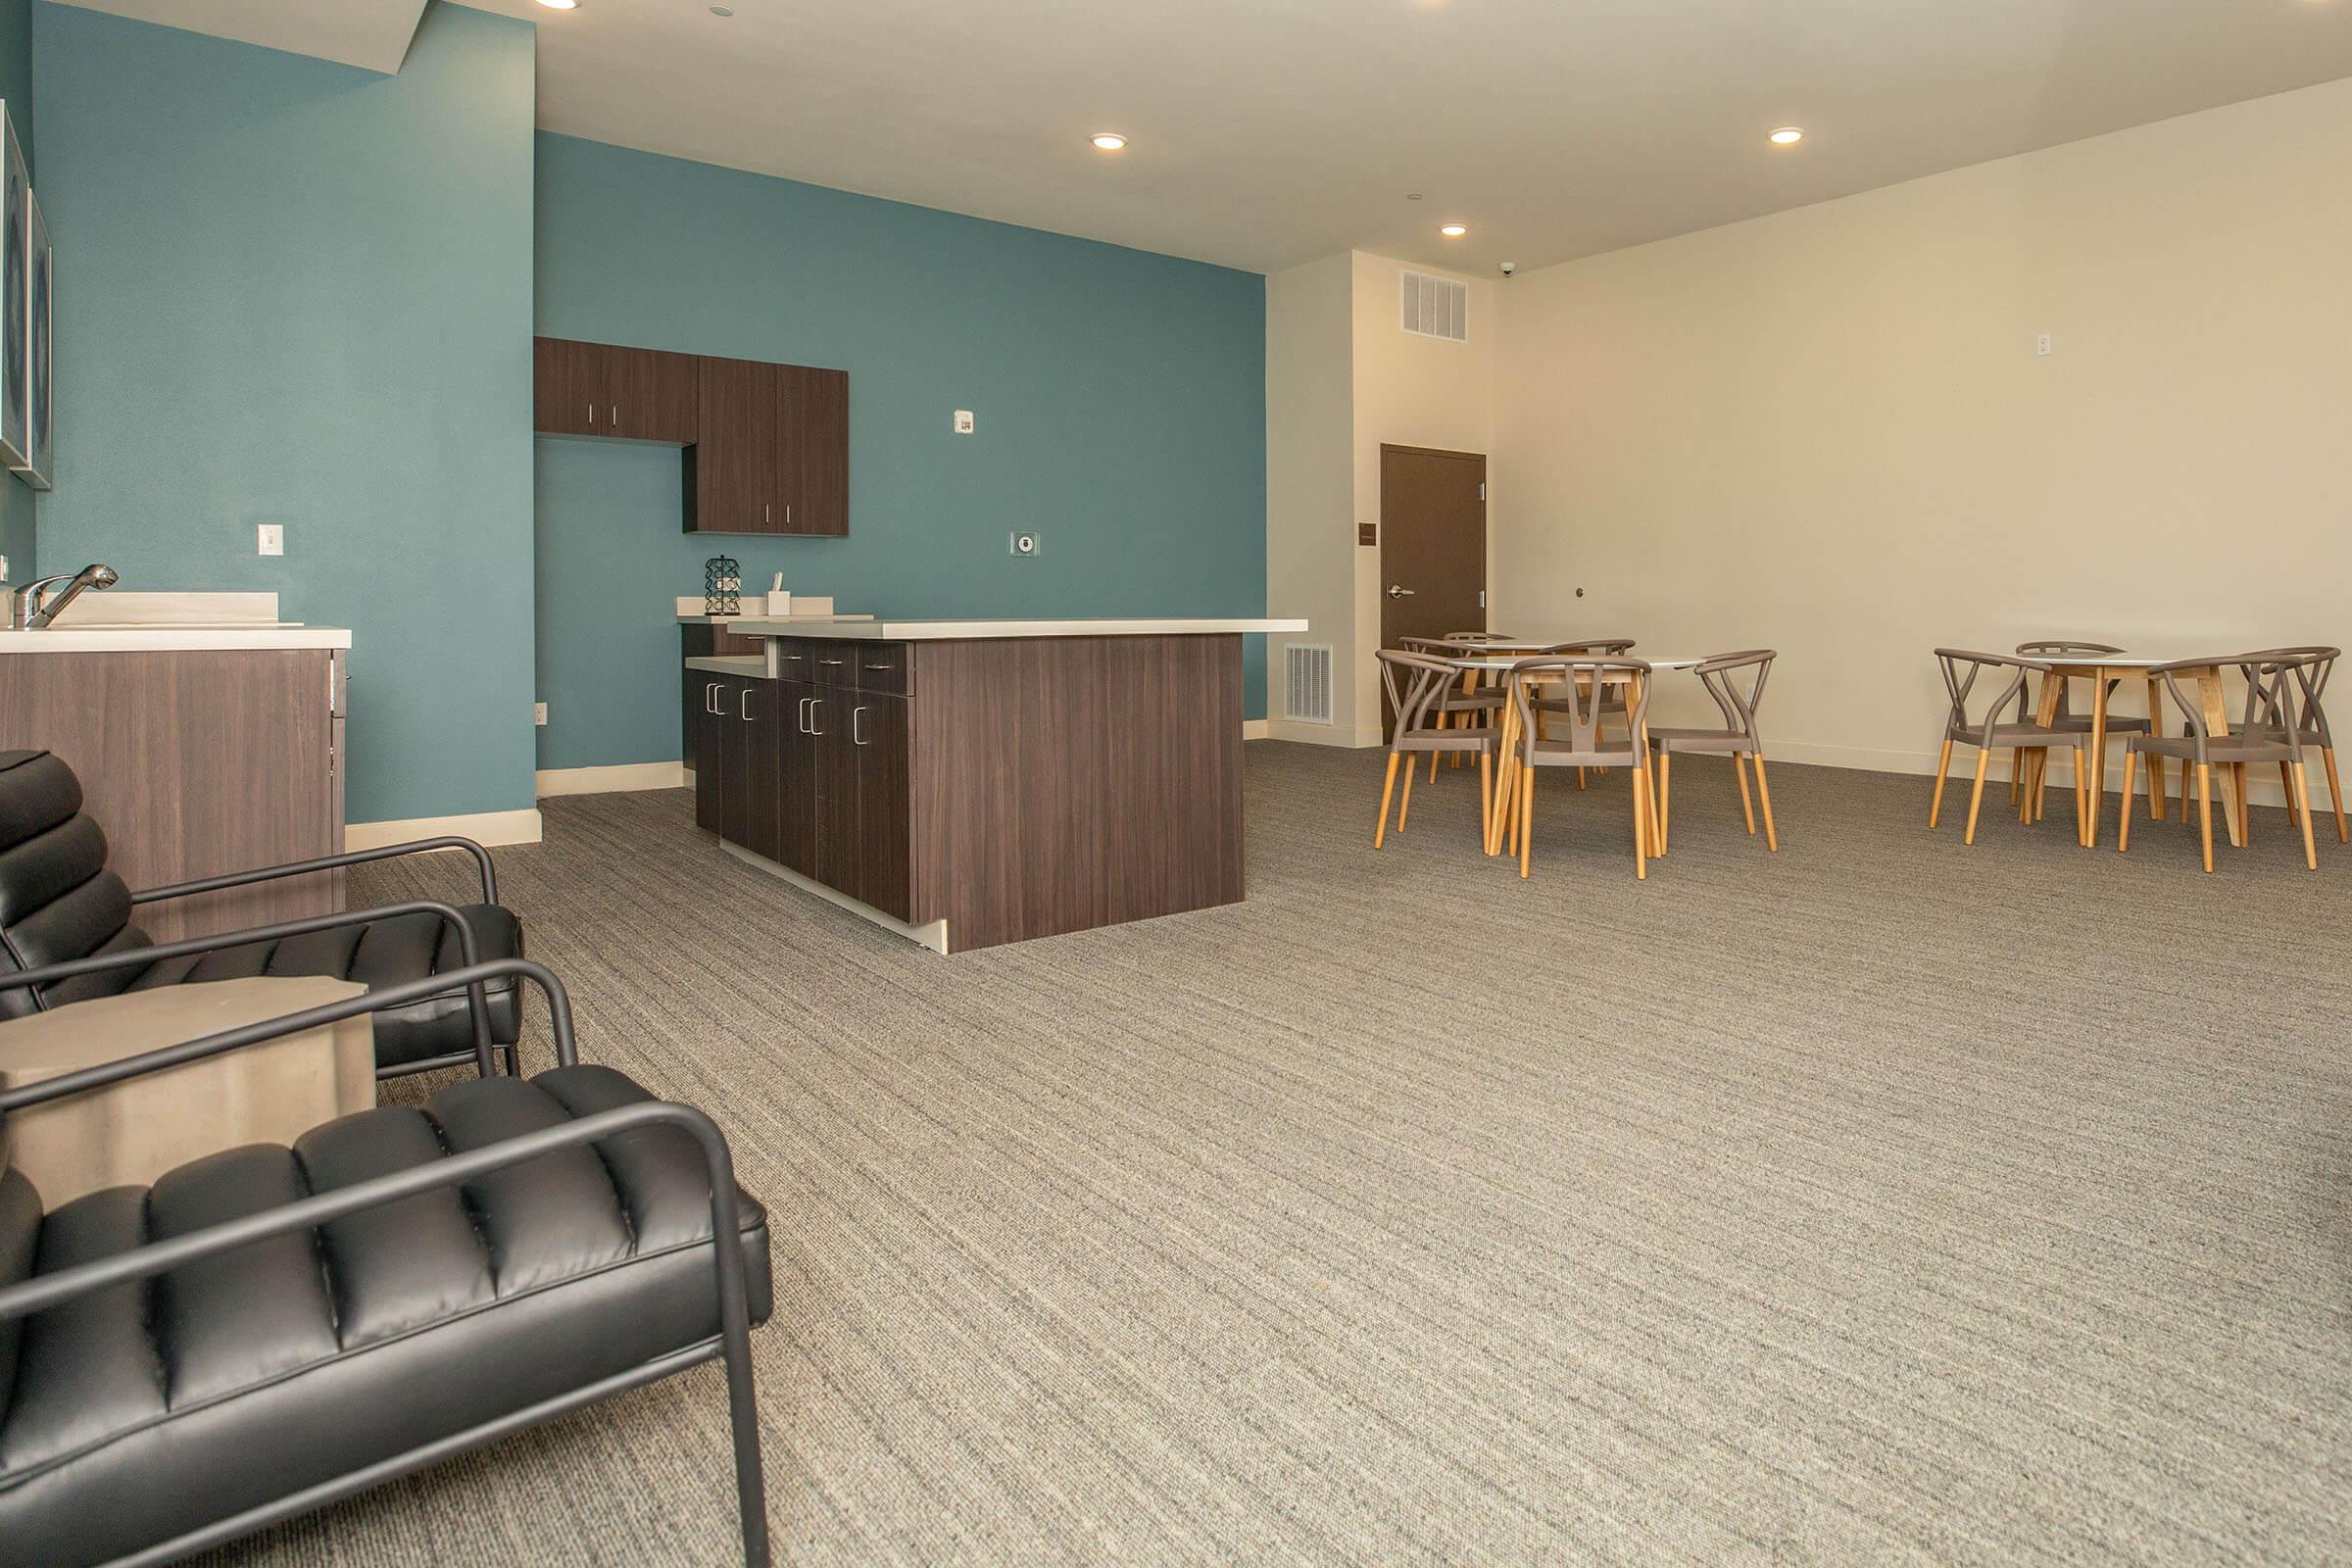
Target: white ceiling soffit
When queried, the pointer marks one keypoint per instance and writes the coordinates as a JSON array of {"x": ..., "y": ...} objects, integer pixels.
[{"x": 373, "y": 33}]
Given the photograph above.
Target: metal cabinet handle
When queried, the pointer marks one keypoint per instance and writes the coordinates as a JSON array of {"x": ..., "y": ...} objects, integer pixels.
[
  {"x": 787, "y": 514},
  {"x": 856, "y": 732},
  {"x": 743, "y": 704},
  {"x": 767, "y": 511},
  {"x": 883, "y": 666},
  {"x": 710, "y": 697},
  {"x": 805, "y": 702},
  {"x": 591, "y": 414},
  {"x": 815, "y": 703},
  {"x": 616, "y": 414},
  {"x": 832, "y": 662}
]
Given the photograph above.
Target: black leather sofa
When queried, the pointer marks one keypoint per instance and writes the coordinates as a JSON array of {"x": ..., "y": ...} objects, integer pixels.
[
  {"x": 268, "y": 1329},
  {"x": 59, "y": 901}
]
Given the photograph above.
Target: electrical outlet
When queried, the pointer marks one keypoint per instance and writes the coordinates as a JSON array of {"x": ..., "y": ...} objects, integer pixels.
[
  {"x": 1027, "y": 546},
  {"x": 963, "y": 422},
  {"x": 2042, "y": 346},
  {"x": 3, "y": 568},
  {"x": 539, "y": 712},
  {"x": 270, "y": 537}
]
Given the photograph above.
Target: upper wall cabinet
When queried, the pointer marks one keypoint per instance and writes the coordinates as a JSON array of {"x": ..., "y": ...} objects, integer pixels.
[
  {"x": 767, "y": 446},
  {"x": 603, "y": 389}
]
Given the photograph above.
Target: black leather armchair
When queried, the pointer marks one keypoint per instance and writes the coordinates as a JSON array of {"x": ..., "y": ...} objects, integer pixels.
[
  {"x": 59, "y": 902},
  {"x": 269, "y": 1329}
]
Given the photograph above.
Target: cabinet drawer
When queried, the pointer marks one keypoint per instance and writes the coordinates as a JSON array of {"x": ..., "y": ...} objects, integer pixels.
[
  {"x": 795, "y": 661},
  {"x": 834, "y": 663},
  {"x": 880, "y": 668}
]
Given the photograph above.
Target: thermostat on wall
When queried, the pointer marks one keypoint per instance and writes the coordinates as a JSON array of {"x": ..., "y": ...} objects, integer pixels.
[
  {"x": 963, "y": 422},
  {"x": 1027, "y": 544}
]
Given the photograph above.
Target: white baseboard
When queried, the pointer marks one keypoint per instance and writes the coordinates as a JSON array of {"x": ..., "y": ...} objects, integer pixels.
[
  {"x": 1282, "y": 729},
  {"x": 2263, "y": 787},
  {"x": 612, "y": 779},
  {"x": 483, "y": 827}
]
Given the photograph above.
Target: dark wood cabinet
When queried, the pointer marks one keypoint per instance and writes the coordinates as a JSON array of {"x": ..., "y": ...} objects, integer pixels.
[
  {"x": 731, "y": 476},
  {"x": 766, "y": 447},
  {"x": 813, "y": 449},
  {"x": 710, "y": 753},
  {"x": 606, "y": 389},
  {"x": 877, "y": 747},
  {"x": 796, "y": 777}
]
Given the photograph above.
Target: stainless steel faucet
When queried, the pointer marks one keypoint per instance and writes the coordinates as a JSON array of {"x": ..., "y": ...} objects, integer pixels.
[{"x": 30, "y": 609}]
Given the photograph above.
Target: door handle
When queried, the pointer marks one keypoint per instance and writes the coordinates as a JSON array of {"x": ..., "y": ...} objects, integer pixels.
[
  {"x": 1395, "y": 592},
  {"x": 857, "y": 735},
  {"x": 743, "y": 704}
]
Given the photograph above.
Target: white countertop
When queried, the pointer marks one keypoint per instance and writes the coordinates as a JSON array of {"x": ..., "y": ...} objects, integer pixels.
[
  {"x": 940, "y": 630},
  {"x": 104, "y": 639},
  {"x": 730, "y": 664}
]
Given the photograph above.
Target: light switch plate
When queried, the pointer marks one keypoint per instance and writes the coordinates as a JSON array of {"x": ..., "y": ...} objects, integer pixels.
[{"x": 270, "y": 538}]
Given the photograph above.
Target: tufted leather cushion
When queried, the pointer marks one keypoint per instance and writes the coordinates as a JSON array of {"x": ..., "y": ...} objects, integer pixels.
[
  {"x": 155, "y": 1408},
  {"x": 59, "y": 901}
]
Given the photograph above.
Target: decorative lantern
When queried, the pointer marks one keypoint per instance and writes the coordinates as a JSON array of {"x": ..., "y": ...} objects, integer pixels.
[{"x": 722, "y": 586}]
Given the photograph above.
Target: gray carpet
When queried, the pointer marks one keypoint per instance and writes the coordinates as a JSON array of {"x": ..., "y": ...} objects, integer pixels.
[{"x": 1882, "y": 1200}]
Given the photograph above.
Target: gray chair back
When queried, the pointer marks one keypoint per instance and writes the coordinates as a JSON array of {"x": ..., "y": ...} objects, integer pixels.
[
  {"x": 1586, "y": 693},
  {"x": 2310, "y": 668},
  {"x": 1736, "y": 683},
  {"x": 1416, "y": 684},
  {"x": 1962, "y": 669},
  {"x": 2272, "y": 684}
]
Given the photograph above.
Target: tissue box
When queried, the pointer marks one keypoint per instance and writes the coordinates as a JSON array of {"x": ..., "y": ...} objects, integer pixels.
[{"x": 778, "y": 605}]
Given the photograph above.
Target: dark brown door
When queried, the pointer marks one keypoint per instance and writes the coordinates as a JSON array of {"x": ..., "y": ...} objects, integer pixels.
[
  {"x": 813, "y": 445},
  {"x": 796, "y": 777},
  {"x": 731, "y": 474},
  {"x": 1432, "y": 543},
  {"x": 878, "y": 751}
]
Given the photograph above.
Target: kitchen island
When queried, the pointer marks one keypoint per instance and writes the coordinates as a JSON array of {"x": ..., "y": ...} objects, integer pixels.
[{"x": 967, "y": 783}]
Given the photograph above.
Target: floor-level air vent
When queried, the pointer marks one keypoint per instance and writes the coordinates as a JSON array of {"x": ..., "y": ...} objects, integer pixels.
[
  {"x": 1308, "y": 668},
  {"x": 1437, "y": 307}
]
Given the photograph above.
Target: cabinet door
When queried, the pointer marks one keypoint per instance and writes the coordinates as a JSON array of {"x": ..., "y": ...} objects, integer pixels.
[
  {"x": 757, "y": 709},
  {"x": 690, "y": 717},
  {"x": 652, "y": 395},
  {"x": 731, "y": 472},
  {"x": 564, "y": 387},
  {"x": 835, "y": 847},
  {"x": 878, "y": 742},
  {"x": 796, "y": 777},
  {"x": 711, "y": 756},
  {"x": 813, "y": 449}
]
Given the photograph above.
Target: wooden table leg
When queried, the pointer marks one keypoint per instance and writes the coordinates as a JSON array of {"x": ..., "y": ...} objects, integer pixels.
[
  {"x": 1506, "y": 778},
  {"x": 2216, "y": 724},
  {"x": 2098, "y": 759},
  {"x": 2035, "y": 763}
]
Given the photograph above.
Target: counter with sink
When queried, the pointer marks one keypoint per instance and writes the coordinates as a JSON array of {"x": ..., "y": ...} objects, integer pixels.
[{"x": 207, "y": 735}]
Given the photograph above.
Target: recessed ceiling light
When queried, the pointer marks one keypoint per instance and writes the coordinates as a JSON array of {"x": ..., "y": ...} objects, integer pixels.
[
  {"x": 1788, "y": 136},
  {"x": 560, "y": 5},
  {"x": 1453, "y": 230},
  {"x": 1109, "y": 141}
]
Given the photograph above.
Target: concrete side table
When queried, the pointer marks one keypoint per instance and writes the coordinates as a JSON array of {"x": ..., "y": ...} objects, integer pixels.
[{"x": 132, "y": 1132}]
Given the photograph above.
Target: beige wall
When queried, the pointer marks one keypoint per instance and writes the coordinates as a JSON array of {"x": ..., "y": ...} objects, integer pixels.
[
  {"x": 1310, "y": 496},
  {"x": 1417, "y": 392},
  {"x": 1827, "y": 431},
  {"x": 1343, "y": 377}
]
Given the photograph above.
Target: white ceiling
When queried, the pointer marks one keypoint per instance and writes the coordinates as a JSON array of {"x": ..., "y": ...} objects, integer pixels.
[
  {"x": 1267, "y": 132},
  {"x": 373, "y": 33}
]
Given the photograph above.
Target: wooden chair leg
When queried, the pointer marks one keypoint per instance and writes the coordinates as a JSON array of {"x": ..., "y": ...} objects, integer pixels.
[
  {"x": 1581, "y": 780},
  {"x": 2300, "y": 794},
  {"x": 1485, "y": 795},
  {"x": 1772, "y": 835},
  {"x": 1387, "y": 789},
  {"x": 1641, "y": 827},
  {"x": 2017, "y": 774},
  {"x": 2041, "y": 783},
  {"x": 2245, "y": 815},
  {"x": 1975, "y": 796},
  {"x": 1433, "y": 773},
  {"x": 1404, "y": 805},
  {"x": 1747, "y": 806},
  {"x": 2123, "y": 835},
  {"x": 1943, "y": 768},
  {"x": 2205, "y": 810},
  {"x": 1527, "y": 815},
  {"x": 2335, "y": 793},
  {"x": 1665, "y": 800}
]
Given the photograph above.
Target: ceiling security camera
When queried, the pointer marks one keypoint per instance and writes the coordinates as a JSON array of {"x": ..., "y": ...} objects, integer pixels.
[{"x": 1509, "y": 267}]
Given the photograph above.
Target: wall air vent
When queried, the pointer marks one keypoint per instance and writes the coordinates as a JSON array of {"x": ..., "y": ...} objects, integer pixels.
[
  {"x": 1437, "y": 307},
  {"x": 1307, "y": 668}
]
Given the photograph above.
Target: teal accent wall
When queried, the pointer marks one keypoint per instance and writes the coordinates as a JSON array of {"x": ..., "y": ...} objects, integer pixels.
[
  {"x": 291, "y": 291},
  {"x": 1120, "y": 399},
  {"x": 18, "y": 509}
]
